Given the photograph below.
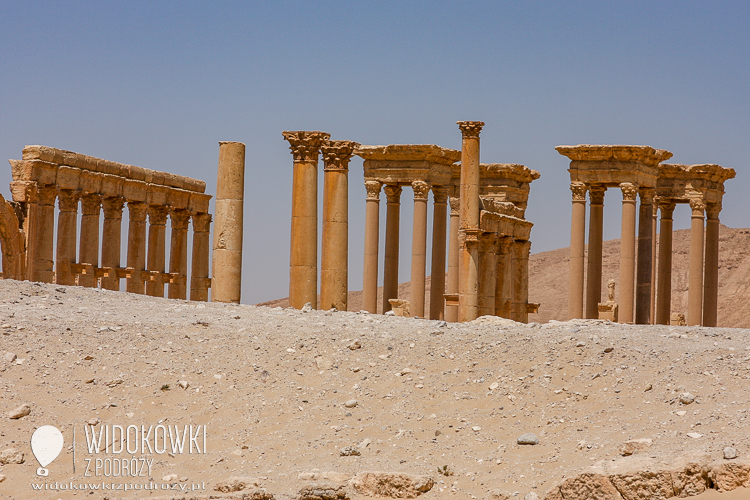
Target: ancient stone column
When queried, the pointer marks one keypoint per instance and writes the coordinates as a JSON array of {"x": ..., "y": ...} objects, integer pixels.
[
  {"x": 664, "y": 289},
  {"x": 334, "y": 272},
  {"x": 437, "y": 273},
  {"x": 419, "y": 248},
  {"x": 303, "y": 262},
  {"x": 178, "y": 252},
  {"x": 521, "y": 251},
  {"x": 468, "y": 274},
  {"x": 695, "y": 274},
  {"x": 488, "y": 276},
  {"x": 88, "y": 251},
  {"x": 43, "y": 233},
  {"x": 136, "y": 246},
  {"x": 711, "y": 272},
  {"x": 645, "y": 245},
  {"x": 504, "y": 286},
  {"x": 372, "y": 233},
  {"x": 594, "y": 264},
  {"x": 577, "y": 250},
  {"x": 157, "y": 220},
  {"x": 111, "y": 240},
  {"x": 627, "y": 253},
  {"x": 653, "y": 262},
  {"x": 390, "y": 267},
  {"x": 67, "y": 222},
  {"x": 199, "y": 280},
  {"x": 226, "y": 271},
  {"x": 451, "y": 312}
]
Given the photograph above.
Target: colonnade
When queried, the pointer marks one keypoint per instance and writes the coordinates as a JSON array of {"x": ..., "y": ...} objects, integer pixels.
[{"x": 45, "y": 175}]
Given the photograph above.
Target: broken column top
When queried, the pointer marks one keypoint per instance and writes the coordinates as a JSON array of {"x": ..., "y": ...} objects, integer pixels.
[
  {"x": 90, "y": 163},
  {"x": 617, "y": 153}
]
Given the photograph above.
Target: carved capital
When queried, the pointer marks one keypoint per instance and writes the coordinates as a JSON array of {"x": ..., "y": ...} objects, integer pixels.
[
  {"x": 91, "y": 204},
  {"x": 336, "y": 154},
  {"x": 305, "y": 145},
  {"x": 201, "y": 223},
  {"x": 46, "y": 194},
  {"x": 579, "y": 191},
  {"x": 504, "y": 245},
  {"x": 113, "y": 207},
  {"x": 712, "y": 210},
  {"x": 421, "y": 190},
  {"x": 646, "y": 195},
  {"x": 137, "y": 211},
  {"x": 393, "y": 193},
  {"x": 157, "y": 215},
  {"x": 440, "y": 194},
  {"x": 470, "y": 129},
  {"x": 697, "y": 204},
  {"x": 373, "y": 189},
  {"x": 667, "y": 208},
  {"x": 596, "y": 194},
  {"x": 629, "y": 191},
  {"x": 179, "y": 218},
  {"x": 67, "y": 200},
  {"x": 455, "y": 202}
]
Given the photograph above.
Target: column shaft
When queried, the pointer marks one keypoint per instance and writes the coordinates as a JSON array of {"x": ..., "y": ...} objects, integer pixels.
[
  {"x": 577, "y": 250},
  {"x": 488, "y": 276},
  {"x": 419, "y": 248},
  {"x": 451, "y": 312},
  {"x": 695, "y": 274},
  {"x": 178, "y": 253},
  {"x": 664, "y": 289},
  {"x": 504, "y": 286},
  {"x": 437, "y": 273},
  {"x": 468, "y": 285},
  {"x": 67, "y": 222},
  {"x": 372, "y": 234},
  {"x": 227, "y": 246},
  {"x": 653, "y": 263},
  {"x": 157, "y": 220},
  {"x": 711, "y": 281},
  {"x": 645, "y": 246},
  {"x": 199, "y": 280},
  {"x": 390, "y": 268},
  {"x": 594, "y": 264},
  {"x": 136, "y": 258},
  {"x": 627, "y": 253},
  {"x": 88, "y": 251},
  {"x": 521, "y": 251},
  {"x": 111, "y": 239}
]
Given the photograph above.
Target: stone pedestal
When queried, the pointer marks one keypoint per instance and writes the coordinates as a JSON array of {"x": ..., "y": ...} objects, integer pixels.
[
  {"x": 419, "y": 248},
  {"x": 451, "y": 311},
  {"x": 88, "y": 252},
  {"x": 178, "y": 253},
  {"x": 627, "y": 253},
  {"x": 334, "y": 274},
  {"x": 711, "y": 283},
  {"x": 199, "y": 280},
  {"x": 372, "y": 233},
  {"x": 111, "y": 240},
  {"x": 390, "y": 268},
  {"x": 136, "y": 246},
  {"x": 226, "y": 285},
  {"x": 67, "y": 222},
  {"x": 695, "y": 275},
  {"x": 157, "y": 220},
  {"x": 664, "y": 288},
  {"x": 303, "y": 269},
  {"x": 645, "y": 245},
  {"x": 437, "y": 273},
  {"x": 577, "y": 250}
]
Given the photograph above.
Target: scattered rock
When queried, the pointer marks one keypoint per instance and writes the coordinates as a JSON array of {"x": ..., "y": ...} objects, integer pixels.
[
  {"x": 476, "y": 428},
  {"x": 365, "y": 443},
  {"x": 323, "y": 363},
  {"x": 630, "y": 447},
  {"x": 307, "y": 308},
  {"x": 170, "y": 478},
  {"x": 9, "y": 357},
  {"x": 236, "y": 484},
  {"x": 349, "y": 451},
  {"x": 11, "y": 456},
  {"x": 494, "y": 385},
  {"x": 531, "y": 496},
  {"x": 184, "y": 384},
  {"x": 323, "y": 492},
  {"x": 2, "y": 478},
  {"x": 528, "y": 438},
  {"x": 351, "y": 403},
  {"x": 609, "y": 349},
  {"x": 114, "y": 382},
  {"x": 730, "y": 453},
  {"x": 405, "y": 371},
  {"x": 93, "y": 421},
  {"x": 20, "y": 412},
  {"x": 391, "y": 484},
  {"x": 648, "y": 388},
  {"x": 355, "y": 345},
  {"x": 686, "y": 398},
  {"x": 694, "y": 435},
  {"x": 327, "y": 476}
]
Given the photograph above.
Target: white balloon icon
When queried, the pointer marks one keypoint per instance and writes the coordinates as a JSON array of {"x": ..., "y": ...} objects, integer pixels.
[{"x": 46, "y": 443}]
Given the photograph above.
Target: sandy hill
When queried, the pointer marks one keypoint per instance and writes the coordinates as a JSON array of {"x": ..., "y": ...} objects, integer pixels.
[
  {"x": 313, "y": 405},
  {"x": 548, "y": 279}
]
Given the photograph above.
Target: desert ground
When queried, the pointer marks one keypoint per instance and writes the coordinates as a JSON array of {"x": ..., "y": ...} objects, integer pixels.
[{"x": 320, "y": 404}]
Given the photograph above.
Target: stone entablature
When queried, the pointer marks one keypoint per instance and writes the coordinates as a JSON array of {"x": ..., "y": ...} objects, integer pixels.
[
  {"x": 682, "y": 183},
  {"x": 401, "y": 164},
  {"x": 614, "y": 164}
]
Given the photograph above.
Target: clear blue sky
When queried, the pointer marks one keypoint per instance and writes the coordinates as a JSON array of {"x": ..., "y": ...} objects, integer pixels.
[{"x": 158, "y": 84}]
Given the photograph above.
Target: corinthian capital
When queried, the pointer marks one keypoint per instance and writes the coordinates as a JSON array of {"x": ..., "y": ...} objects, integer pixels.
[
  {"x": 647, "y": 195},
  {"x": 440, "y": 194},
  {"x": 421, "y": 190},
  {"x": 455, "y": 202},
  {"x": 629, "y": 191},
  {"x": 336, "y": 154},
  {"x": 470, "y": 129},
  {"x": 579, "y": 191},
  {"x": 596, "y": 194},
  {"x": 373, "y": 189},
  {"x": 697, "y": 204},
  {"x": 305, "y": 145},
  {"x": 393, "y": 193}
]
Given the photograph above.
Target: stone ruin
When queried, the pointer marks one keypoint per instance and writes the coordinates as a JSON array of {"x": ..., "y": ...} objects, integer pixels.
[
  {"x": 638, "y": 171},
  {"x": 488, "y": 238}
]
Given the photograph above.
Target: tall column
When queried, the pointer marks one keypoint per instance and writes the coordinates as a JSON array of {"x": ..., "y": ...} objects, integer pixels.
[
  {"x": 43, "y": 232},
  {"x": 67, "y": 221},
  {"x": 178, "y": 252},
  {"x": 627, "y": 253},
  {"x": 230, "y": 193},
  {"x": 695, "y": 274},
  {"x": 645, "y": 245},
  {"x": 451, "y": 312},
  {"x": 594, "y": 269},
  {"x": 303, "y": 262},
  {"x": 488, "y": 276},
  {"x": 711, "y": 281},
  {"x": 136, "y": 246},
  {"x": 504, "y": 286},
  {"x": 419, "y": 248},
  {"x": 653, "y": 263},
  {"x": 437, "y": 273},
  {"x": 334, "y": 273},
  {"x": 390, "y": 268},
  {"x": 199, "y": 280},
  {"x": 157, "y": 221},
  {"x": 88, "y": 252},
  {"x": 521, "y": 251},
  {"x": 372, "y": 233},
  {"x": 577, "y": 249},
  {"x": 664, "y": 289},
  {"x": 468, "y": 273},
  {"x": 111, "y": 239}
]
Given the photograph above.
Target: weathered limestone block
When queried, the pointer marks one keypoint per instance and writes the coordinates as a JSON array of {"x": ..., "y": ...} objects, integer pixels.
[
  {"x": 690, "y": 480},
  {"x": 645, "y": 484},
  {"x": 728, "y": 476},
  {"x": 11, "y": 456},
  {"x": 324, "y": 491},
  {"x": 589, "y": 486},
  {"x": 34, "y": 170},
  {"x": 400, "y": 307},
  {"x": 135, "y": 190},
  {"x": 236, "y": 484},
  {"x": 391, "y": 484}
]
